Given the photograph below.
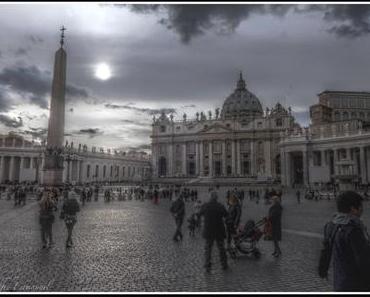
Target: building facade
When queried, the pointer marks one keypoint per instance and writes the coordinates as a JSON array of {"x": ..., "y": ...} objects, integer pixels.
[
  {"x": 23, "y": 161},
  {"x": 335, "y": 146},
  {"x": 241, "y": 140}
]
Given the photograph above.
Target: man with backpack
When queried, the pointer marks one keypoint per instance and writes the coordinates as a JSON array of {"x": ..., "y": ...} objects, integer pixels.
[{"x": 346, "y": 239}]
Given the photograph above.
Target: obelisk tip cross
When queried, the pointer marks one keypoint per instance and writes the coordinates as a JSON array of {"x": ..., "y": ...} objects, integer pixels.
[{"x": 62, "y": 36}]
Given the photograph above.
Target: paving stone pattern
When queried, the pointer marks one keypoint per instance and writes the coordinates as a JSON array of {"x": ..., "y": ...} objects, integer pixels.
[{"x": 127, "y": 246}]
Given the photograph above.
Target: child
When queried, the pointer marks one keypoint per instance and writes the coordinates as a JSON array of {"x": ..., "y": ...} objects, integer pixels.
[{"x": 192, "y": 224}]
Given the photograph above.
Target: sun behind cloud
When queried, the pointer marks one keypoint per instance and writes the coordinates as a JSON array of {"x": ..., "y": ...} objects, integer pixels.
[{"x": 103, "y": 71}]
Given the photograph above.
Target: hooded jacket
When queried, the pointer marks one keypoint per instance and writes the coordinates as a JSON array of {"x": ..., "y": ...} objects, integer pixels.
[{"x": 351, "y": 254}]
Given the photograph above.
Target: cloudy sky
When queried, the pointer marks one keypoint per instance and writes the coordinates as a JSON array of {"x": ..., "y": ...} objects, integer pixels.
[{"x": 125, "y": 63}]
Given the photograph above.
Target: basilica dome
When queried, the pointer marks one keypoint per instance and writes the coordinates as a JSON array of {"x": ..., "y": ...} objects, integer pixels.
[{"x": 241, "y": 104}]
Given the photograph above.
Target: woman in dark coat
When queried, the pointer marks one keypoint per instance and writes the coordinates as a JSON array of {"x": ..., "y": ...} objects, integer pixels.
[{"x": 274, "y": 215}]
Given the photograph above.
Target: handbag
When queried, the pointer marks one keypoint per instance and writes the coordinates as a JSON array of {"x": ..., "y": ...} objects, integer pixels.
[{"x": 267, "y": 230}]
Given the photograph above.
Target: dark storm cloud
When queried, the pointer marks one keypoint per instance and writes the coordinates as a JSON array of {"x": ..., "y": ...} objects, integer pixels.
[
  {"x": 39, "y": 133},
  {"x": 354, "y": 18},
  {"x": 149, "y": 111},
  {"x": 11, "y": 122},
  {"x": 358, "y": 17},
  {"x": 5, "y": 101},
  {"x": 76, "y": 92},
  {"x": 189, "y": 21},
  {"x": 35, "y": 82},
  {"x": 91, "y": 132}
]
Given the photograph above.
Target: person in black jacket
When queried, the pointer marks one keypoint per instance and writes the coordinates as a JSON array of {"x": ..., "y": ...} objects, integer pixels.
[
  {"x": 70, "y": 208},
  {"x": 351, "y": 246},
  {"x": 214, "y": 229},
  {"x": 233, "y": 218},
  {"x": 274, "y": 215},
  {"x": 178, "y": 212}
]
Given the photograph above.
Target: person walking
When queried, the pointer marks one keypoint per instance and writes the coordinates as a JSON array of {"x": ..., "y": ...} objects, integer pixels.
[
  {"x": 70, "y": 208},
  {"x": 178, "y": 211},
  {"x": 214, "y": 229},
  {"x": 274, "y": 216},
  {"x": 347, "y": 240},
  {"x": 233, "y": 218},
  {"x": 298, "y": 194},
  {"x": 46, "y": 219}
]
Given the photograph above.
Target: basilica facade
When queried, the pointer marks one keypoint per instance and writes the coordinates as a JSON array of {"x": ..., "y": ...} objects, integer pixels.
[{"x": 240, "y": 141}]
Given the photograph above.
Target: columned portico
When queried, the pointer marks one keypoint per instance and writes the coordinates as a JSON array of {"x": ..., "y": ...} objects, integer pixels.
[
  {"x": 233, "y": 165},
  {"x": 184, "y": 159},
  {"x": 363, "y": 164},
  {"x": 210, "y": 158},
  {"x": 201, "y": 156},
  {"x": 197, "y": 158},
  {"x": 224, "y": 158},
  {"x": 238, "y": 160}
]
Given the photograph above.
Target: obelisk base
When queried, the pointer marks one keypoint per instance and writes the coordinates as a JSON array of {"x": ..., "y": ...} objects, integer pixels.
[{"x": 53, "y": 177}]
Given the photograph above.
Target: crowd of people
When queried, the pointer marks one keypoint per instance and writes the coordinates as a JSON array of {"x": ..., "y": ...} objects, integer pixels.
[{"x": 346, "y": 242}]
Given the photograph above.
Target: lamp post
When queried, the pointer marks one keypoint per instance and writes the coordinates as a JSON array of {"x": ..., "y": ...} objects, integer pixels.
[{"x": 68, "y": 157}]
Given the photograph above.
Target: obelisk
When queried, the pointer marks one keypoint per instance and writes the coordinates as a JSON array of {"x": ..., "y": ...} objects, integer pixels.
[{"x": 53, "y": 166}]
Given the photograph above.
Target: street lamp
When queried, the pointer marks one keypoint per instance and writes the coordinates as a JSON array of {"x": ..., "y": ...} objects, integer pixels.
[{"x": 68, "y": 156}]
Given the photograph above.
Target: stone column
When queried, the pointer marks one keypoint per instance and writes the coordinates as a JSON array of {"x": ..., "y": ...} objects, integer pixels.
[
  {"x": 268, "y": 161},
  {"x": 224, "y": 158},
  {"x": 335, "y": 151},
  {"x": 201, "y": 157},
  {"x": 233, "y": 165},
  {"x": 238, "y": 172},
  {"x": 348, "y": 154},
  {"x": 170, "y": 159},
  {"x": 11, "y": 168},
  {"x": 197, "y": 172},
  {"x": 363, "y": 164},
  {"x": 288, "y": 169},
  {"x": 21, "y": 169},
  {"x": 78, "y": 171},
  {"x": 283, "y": 174},
  {"x": 154, "y": 160},
  {"x": 253, "y": 159},
  {"x": 2, "y": 159},
  {"x": 210, "y": 158},
  {"x": 184, "y": 159},
  {"x": 305, "y": 168}
]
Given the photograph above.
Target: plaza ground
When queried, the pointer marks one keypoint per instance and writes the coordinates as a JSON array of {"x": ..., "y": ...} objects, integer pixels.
[{"x": 127, "y": 246}]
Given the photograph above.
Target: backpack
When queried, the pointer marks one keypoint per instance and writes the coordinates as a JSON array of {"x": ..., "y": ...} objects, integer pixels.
[{"x": 330, "y": 231}]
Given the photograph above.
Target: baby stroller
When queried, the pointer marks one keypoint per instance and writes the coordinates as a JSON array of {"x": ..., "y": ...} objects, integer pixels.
[{"x": 247, "y": 238}]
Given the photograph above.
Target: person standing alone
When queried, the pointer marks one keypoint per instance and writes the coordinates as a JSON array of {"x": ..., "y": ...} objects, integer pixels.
[
  {"x": 214, "y": 229},
  {"x": 274, "y": 215},
  {"x": 70, "y": 208},
  {"x": 178, "y": 211}
]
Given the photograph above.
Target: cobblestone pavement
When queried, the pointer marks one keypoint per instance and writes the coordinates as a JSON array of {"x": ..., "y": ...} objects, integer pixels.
[{"x": 127, "y": 246}]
